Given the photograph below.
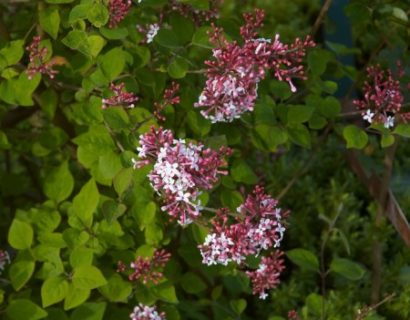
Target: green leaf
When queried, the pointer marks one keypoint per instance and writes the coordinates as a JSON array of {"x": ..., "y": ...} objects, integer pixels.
[
  {"x": 59, "y": 1},
  {"x": 231, "y": 199},
  {"x": 192, "y": 283},
  {"x": 403, "y": 130},
  {"x": 77, "y": 40},
  {"x": 347, "y": 268},
  {"x": 53, "y": 290},
  {"x": 318, "y": 60},
  {"x": 85, "y": 202},
  {"x": 50, "y": 21},
  {"x": 114, "y": 34},
  {"x": 167, "y": 38},
  {"x": 300, "y": 135},
  {"x": 20, "y": 272},
  {"x": 387, "y": 140},
  {"x": 299, "y": 113},
  {"x": 272, "y": 136},
  {"x": 98, "y": 15},
  {"x": 145, "y": 214},
  {"x": 88, "y": 277},
  {"x": 201, "y": 38},
  {"x": 19, "y": 90},
  {"x": 24, "y": 309},
  {"x": 242, "y": 172},
  {"x": 81, "y": 256},
  {"x": 11, "y": 53},
  {"x": 113, "y": 63},
  {"x": 79, "y": 12},
  {"x": 59, "y": 183},
  {"x": 178, "y": 68},
  {"x": 122, "y": 180},
  {"x": 20, "y": 235},
  {"x": 96, "y": 43},
  {"x": 109, "y": 165},
  {"x": 48, "y": 102},
  {"x": 89, "y": 311},
  {"x": 75, "y": 297},
  {"x": 355, "y": 137},
  {"x": 117, "y": 289},
  {"x": 4, "y": 141},
  {"x": 238, "y": 306},
  {"x": 166, "y": 292},
  {"x": 304, "y": 259}
]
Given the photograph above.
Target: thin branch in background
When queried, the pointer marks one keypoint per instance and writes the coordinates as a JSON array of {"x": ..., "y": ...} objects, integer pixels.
[
  {"x": 321, "y": 16},
  {"x": 364, "y": 312}
]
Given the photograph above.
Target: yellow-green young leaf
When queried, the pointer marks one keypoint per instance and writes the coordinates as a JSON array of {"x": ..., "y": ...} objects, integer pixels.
[
  {"x": 192, "y": 283},
  {"x": 24, "y": 309},
  {"x": 20, "y": 272},
  {"x": 88, "y": 277},
  {"x": 145, "y": 214},
  {"x": 299, "y": 135},
  {"x": 122, "y": 180},
  {"x": 4, "y": 141},
  {"x": 166, "y": 292},
  {"x": 59, "y": 1},
  {"x": 153, "y": 234},
  {"x": 59, "y": 183},
  {"x": 96, "y": 43},
  {"x": 11, "y": 53},
  {"x": 355, "y": 137},
  {"x": 304, "y": 259},
  {"x": 85, "y": 202},
  {"x": 81, "y": 256},
  {"x": 75, "y": 296},
  {"x": 98, "y": 15},
  {"x": 89, "y": 311},
  {"x": 178, "y": 68},
  {"x": 53, "y": 290},
  {"x": 387, "y": 140},
  {"x": 117, "y": 289},
  {"x": 347, "y": 268},
  {"x": 77, "y": 40},
  {"x": 113, "y": 63},
  {"x": 20, "y": 235},
  {"x": 50, "y": 21}
]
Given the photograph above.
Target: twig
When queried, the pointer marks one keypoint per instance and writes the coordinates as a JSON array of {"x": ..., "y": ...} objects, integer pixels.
[{"x": 321, "y": 16}]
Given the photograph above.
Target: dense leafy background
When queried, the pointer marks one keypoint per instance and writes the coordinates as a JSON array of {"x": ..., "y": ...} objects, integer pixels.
[{"x": 72, "y": 205}]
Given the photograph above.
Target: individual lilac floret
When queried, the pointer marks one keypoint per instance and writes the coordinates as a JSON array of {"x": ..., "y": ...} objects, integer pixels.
[
  {"x": 37, "y": 57},
  {"x": 234, "y": 73},
  {"x": 150, "y": 31},
  {"x": 382, "y": 98},
  {"x": 118, "y": 10},
  {"x": 258, "y": 226},
  {"x": 146, "y": 269},
  {"x": 120, "y": 97},
  {"x": 267, "y": 275},
  {"x": 142, "y": 312},
  {"x": 4, "y": 260},
  {"x": 169, "y": 98},
  {"x": 181, "y": 170}
]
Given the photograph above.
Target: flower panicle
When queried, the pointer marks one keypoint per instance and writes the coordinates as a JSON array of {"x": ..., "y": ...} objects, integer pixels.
[
  {"x": 120, "y": 97},
  {"x": 143, "y": 312},
  {"x": 170, "y": 97},
  {"x": 37, "y": 60},
  {"x": 146, "y": 269},
  {"x": 382, "y": 97},
  {"x": 118, "y": 10}
]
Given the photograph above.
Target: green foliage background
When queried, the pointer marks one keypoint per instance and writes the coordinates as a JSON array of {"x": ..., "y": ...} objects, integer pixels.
[{"x": 72, "y": 206}]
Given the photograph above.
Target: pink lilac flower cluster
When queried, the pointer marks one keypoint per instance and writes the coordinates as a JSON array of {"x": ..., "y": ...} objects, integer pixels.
[
  {"x": 4, "y": 260},
  {"x": 382, "y": 98},
  {"x": 118, "y": 10},
  {"x": 146, "y": 269},
  {"x": 170, "y": 97},
  {"x": 120, "y": 97},
  {"x": 234, "y": 73},
  {"x": 181, "y": 170},
  {"x": 37, "y": 57},
  {"x": 142, "y": 312},
  {"x": 258, "y": 226},
  {"x": 267, "y": 275}
]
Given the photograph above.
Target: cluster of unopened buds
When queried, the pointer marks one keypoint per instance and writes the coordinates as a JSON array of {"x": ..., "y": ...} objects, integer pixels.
[
  {"x": 38, "y": 57},
  {"x": 146, "y": 269},
  {"x": 382, "y": 98},
  {"x": 118, "y": 10},
  {"x": 259, "y": 225},
  {"x": 196, "y": 15},
  {"x": 234, "y": 73},
  {"x": 181, "y": 170},
  {"x": 170, "y": 98},
  {"x": 293, "y": 315},
  {"x": 120, "y": 97},
  {"x": 4, "y": 260},
  {"x": 142, "y": 312}
]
